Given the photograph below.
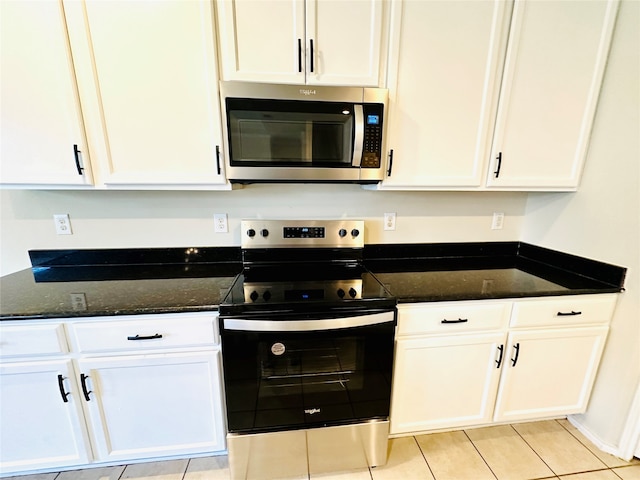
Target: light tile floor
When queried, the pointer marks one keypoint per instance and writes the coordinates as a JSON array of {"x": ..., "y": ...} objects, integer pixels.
[{"x": 551, "y": 449}]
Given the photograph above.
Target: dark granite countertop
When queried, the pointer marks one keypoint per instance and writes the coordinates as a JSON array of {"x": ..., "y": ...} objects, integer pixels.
[
  {"x": 76, "y": 283},
  {"x": 474, "y": 271},
  {"x": 80, "y": 283}
]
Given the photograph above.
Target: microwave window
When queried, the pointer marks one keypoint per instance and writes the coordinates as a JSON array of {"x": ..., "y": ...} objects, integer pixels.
[{"x": 290, "y": 138}]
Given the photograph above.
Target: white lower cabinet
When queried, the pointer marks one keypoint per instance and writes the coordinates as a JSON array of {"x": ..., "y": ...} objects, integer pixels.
[
  {"x": 128, "y": 388},
  {"x": 445, "y": 381},
  {"x": 549, "y": 372},
  {"x": 41, "y": 421},
  {"x": 153, "y": 405},
  {"x": 540, "y": 364}
]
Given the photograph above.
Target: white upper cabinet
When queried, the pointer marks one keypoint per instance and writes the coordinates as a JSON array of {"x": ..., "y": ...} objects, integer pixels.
[
  {"x": 147, "y": 72},
  {"x": 493, "y": 94},
  {"x": 554, "y": 66},
  {"x": 445, "y": 66},
  {"x": 322, "y": 42},
  {"x": 42, "y": 137}
]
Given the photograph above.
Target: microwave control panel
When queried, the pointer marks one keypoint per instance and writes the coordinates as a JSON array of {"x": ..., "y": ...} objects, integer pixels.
[{"x": 372, "y": 150}]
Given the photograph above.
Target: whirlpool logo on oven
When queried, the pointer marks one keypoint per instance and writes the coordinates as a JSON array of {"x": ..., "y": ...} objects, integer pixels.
[{"x": 311, "y": 411}]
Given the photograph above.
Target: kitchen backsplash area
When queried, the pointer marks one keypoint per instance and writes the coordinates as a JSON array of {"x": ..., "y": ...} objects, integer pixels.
[{"x": 129, "y": 219}]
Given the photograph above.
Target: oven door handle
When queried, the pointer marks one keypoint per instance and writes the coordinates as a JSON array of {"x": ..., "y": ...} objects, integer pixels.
[
  {"x": 249, "y": 325},
  {"x": 358, "y": 137}
]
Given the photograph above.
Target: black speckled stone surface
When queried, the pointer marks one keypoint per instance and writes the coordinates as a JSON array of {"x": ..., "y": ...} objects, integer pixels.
[
  {"x": 119, "y": 282},
  {"x": 135, "y": 281},
  {"x": 473, "y": 271}
]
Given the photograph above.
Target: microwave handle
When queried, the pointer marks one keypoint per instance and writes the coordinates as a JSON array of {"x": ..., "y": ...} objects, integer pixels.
[{"x": 358, "y": 137}]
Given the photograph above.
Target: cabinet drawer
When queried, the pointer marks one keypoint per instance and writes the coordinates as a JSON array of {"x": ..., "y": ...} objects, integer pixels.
[
  {"x": 144, "y": 332},
  {"x": 562, "y": 311},
  {"x": 452, "y": 317},
  {"x": 32, "y": 340}
]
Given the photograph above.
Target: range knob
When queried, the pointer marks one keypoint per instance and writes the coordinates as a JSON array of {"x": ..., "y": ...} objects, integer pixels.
[
  {"x": 264, "y": 232},
  {"x": 254, "y": 296},
  {"x": 355, "y": 232},
  {"x": 352, "y": 292},
  {"x": 251, "y": 233},
  {"x": 341, "y": 293},
  {"x": 342, "y": 232},
  {"x": 266, "y": 295}
]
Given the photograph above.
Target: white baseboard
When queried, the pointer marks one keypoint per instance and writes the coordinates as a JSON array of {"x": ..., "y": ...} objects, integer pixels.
[{"x": 614, "y": 450}]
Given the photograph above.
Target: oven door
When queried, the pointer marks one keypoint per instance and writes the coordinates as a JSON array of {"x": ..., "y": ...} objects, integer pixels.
[{"x": 293, "y": 374}]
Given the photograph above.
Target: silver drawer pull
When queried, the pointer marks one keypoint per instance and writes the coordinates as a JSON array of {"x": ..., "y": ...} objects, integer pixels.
[
  {"x": 460, "y": 320},
  {"x": 149, "y": 337}
]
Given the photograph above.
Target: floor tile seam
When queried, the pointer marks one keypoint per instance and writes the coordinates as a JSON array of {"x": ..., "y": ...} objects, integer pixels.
[
  {"x": 581, "y": 442},
  {"x": 483, "y": 459},
  {"x": 534, "y": 450},
  {"x": 186, "y": 468},
  {"x": 424, "y": 457},
  {"x": 614, "y": 472}
]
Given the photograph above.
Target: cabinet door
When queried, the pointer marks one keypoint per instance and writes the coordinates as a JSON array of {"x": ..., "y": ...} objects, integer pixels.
[
  {"x": 42, "y": 130},
  {"x": 443, "y": 86},
  {"x": 153, "y": 405},
  {"x": 554, "y": 66},
  {"x": 344, "y": 42},
  {"x": 154, "y": 73},
  {"x": 262, "y": 40},
  {"x": 445, "y": 382},
  {"x": 38, "y": 429},
  {"x": 548, "y": 372}
]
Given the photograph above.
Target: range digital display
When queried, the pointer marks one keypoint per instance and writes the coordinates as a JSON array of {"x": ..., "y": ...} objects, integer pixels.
[{"x": 303, "y": 232}]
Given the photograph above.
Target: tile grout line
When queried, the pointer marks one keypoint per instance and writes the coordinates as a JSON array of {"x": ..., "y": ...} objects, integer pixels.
[
  {"x": 533, "y": 450},
  {"x": 483, "y": 459},
  {"x": 581, "y": 443},
  {"x": 186, "y": 467},
  {"x": 423, "y": 457}
]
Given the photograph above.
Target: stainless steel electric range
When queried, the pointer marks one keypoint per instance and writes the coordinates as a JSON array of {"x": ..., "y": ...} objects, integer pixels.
[{"x": 307, "y": 345}]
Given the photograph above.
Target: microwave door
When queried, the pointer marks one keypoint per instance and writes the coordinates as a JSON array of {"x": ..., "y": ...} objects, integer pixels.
[{"x": 358, "y": 137}]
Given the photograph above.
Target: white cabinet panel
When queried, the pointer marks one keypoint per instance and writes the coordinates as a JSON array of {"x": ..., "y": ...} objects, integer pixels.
[
  {"x": 150, "y": 75},
  {"x": 554, "y": 66},
  {"x": 153, "y": 405},
  {"x": 41, "y": 119},
  {"x": 39, "y": 429},
  {"x": 32, "y": 340},
  {"x": 444, "y": 78},
  {"x": 445, "y": 382},
  {"x": 321, "y": 42},
  {"x": 549, "y": 372}
]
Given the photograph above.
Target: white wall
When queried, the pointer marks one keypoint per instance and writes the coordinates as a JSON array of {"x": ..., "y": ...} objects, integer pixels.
[
  {"x": 121, "y": 219},
  {"x": 602, "y": 221}
]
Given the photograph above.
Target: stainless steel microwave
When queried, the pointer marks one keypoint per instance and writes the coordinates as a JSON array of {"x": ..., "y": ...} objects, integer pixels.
[{"x": 292, "y": 133}]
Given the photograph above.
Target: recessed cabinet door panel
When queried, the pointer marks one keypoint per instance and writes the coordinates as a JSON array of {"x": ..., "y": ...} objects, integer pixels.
[
  {"x": 443, "y": 91},
  {"x": 262, "y": 41},
  {"x": 38, "y": 428},
  {"x": 548, "y": 372},
  {"x": 346, "y": 38},
  {"x": 444, "y": 382},
  {"x": 157, "y": 82},
  {"x": 145, "y": 406},
  {"x": 554, "y": 66},
  {"x": 41, "y": 118}
]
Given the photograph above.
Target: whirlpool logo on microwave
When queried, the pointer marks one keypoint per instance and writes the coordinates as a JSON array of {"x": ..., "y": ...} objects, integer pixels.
[
  {"x": 311, "y": 411},
  {"x": 307, "y": 91}
]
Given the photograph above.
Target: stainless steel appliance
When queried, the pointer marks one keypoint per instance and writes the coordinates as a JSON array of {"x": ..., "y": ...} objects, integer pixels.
[
  {"x": 291, "y": 133},
  {"x": 307, "y": 346}
]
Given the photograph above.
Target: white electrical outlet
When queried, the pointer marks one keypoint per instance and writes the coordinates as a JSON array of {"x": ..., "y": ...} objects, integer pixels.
[
  {"x": 390, "y": 221},
  {"x": 220, "y": 223},
  {"x": 63, "y": 224},
  {"x": 498, "y": 221},
  {"x": 78, "y": 301}
]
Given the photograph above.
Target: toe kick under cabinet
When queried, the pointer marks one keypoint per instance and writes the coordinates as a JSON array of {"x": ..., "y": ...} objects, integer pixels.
[
  {"x": 109, "y": 389},
  {"x": 466, "y": 363}
]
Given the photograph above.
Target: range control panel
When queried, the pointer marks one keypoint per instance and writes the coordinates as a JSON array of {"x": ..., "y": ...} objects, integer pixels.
[{"x": 302, "y": 233}]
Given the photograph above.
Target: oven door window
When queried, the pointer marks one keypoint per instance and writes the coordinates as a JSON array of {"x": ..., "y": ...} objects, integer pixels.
[
  {"x": 286, "y": 133},
  {"x": 276, "y": 381}
]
